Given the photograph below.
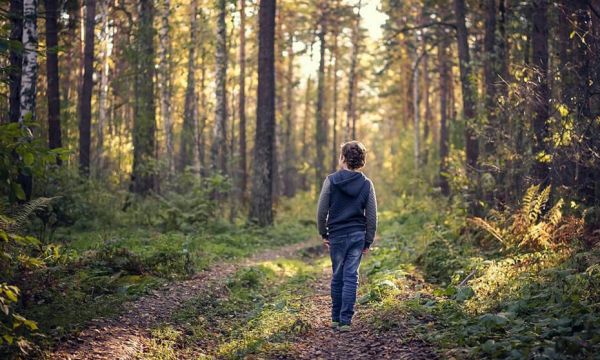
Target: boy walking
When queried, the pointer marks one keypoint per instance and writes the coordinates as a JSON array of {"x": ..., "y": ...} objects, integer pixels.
[{"x": 347, "y": 220}]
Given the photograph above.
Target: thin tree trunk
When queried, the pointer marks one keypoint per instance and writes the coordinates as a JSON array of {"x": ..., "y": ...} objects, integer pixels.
[
  {"x": 203, "y": 117},
  {"x": 334, "y": 54},
  {"x": 350, "y": 132},
  {"x": 144, "y": 132},
  {"x": 243, "y": 174},
  {"x": 29, "y": 69},
  {"x": 490, "y": 76},
  {"x": 53, "y": 91},
  {"x": 164, "y": 76},
  {"x": 444, "y": 73},
  {"x": 305, "y": 122},
  {"x": 85, "y": 100},
  {"x": 321, "y": 120},
  {"x": 16, "y": 60},
  {"x": 289, "y": 151},
  {"x": 103, "y": 109},
  {"x": 261, "y": 209},
  {"x": 428, "y": 126},
  {"x": 188, "y": 135},
  {"x": 219, "y": 144},
  {"x": 539, "y": 44},
  {"x": 469, "y": 96},
  {"x": 417, "y": 123}
]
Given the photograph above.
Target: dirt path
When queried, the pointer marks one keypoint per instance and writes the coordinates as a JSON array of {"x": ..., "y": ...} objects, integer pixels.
[
  {"x": 361, "y": 342},
  {"x": 123, "y": 337}
]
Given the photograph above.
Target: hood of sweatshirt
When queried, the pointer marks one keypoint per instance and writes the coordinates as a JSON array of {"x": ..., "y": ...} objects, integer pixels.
[{"x": 349, "y": 182}]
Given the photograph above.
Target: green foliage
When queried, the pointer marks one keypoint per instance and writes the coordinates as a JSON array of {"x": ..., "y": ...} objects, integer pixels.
[
  {"x": 22, "y": 155},
  {"x": 19, "y": 254}
]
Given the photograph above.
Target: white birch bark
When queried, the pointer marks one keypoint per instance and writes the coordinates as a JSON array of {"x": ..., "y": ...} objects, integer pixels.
[{"x": 29, "y": 68}]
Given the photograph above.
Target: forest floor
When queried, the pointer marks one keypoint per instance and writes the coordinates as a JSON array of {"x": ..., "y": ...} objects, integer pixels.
[{"x": 205, "y": 317}]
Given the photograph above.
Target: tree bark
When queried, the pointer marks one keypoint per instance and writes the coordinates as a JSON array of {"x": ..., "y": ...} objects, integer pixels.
[
  {"x": 144, "y": 132},
  {"x": 103, "y": 107},
  {"x": 15, "y": 59},
  {"x": 320, "y": 117},
  {"x": 85, "y": 100},
  {"x": 469, "y": 96},
  {"x": 305, "y": 123},
  {"x": 444, "y": 73},
  {"x": 188, "y": 153},
  {"x": 243, "y": 174},
  {"x": 350, "y": 132},
  {"x": 289, "y": 162},
  {"x": 490, "y": 76},
  {"x": 219, "y": 145},
  {"x": 53, "y": 91},
  {"x": 29, "y": 69},
  {"x": 164, "y": 76},
  {"x": 261, "y": 210},
  {"x": 539, "y": 43}
]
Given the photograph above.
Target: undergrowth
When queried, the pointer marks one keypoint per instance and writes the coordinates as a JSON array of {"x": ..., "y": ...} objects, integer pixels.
[{"x": 519, "y": 284}]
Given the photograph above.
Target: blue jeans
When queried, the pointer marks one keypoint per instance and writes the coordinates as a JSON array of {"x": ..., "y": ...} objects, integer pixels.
[{"x": 345, "y": 251}]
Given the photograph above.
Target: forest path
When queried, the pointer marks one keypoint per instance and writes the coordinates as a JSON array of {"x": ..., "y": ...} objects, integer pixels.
[
  {"x": 124, "y": 336},
  {"x": 361, "y": 342}
]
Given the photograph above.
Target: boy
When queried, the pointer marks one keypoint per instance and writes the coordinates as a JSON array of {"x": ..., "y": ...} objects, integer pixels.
[{"x": 347, "y": 220}]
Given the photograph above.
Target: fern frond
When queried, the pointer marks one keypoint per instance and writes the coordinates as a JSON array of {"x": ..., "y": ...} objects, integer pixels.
[
  {"x": 528, "y": 198},
  {"x": 538, "y": 205},
  {"x": 554, "y": 216},
  {"x": 496, "y": 233},
  {"x": 19, "y": 215}
]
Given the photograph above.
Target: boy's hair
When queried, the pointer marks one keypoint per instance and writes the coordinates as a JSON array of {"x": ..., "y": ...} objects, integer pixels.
[{"x": 355, "y": 154}]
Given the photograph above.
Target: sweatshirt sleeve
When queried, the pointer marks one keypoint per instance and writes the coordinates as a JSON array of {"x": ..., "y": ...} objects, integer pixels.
[
  {"x": 323, "y": 208},
  {"x": 371, "y": 214}
]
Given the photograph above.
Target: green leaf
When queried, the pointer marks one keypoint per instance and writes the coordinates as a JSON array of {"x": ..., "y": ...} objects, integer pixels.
[{"x": 28, "y": 159}]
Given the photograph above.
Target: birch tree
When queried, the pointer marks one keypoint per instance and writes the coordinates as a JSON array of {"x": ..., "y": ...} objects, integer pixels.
[{"x": 29, "y": 69}]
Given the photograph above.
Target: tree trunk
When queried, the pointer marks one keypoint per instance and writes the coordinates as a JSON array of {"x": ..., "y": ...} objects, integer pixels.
[
  {"x": 417, "y": 120},
  {"x": 444, "y": 73},
  {"x": 85, "y": 99},
  {"x": 103, "y": 107},
  {"x": 203, "y": 117},
  {"x": 144, "y": 143},
  {"x": 490, "y": 76},
  {"x": 29, "y": 69},
  {"x": 469, "y": 96},
  {"x": 289, "y": 162},
  {"x": 53, "y": 91},
  {"x": 164, "y": 77},
  {"x": 334, "y": 54},
  {"x": 243, "y": 174},
  {"x": 187, "y": 153},
  {"x": 305, "y": 122},
  {"x": 261, "y": 209},
  {"x": 321, "y": 119},
  {"x": 219, "y": 145},
  {"x": 539, "y": 42},
  {"x": 16, "y": 60},
  {"x": 350, "y": 132}
]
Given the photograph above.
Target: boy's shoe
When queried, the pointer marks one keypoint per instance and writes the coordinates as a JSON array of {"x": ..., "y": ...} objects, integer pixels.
[
  {"x": 335, "y": 324},
  {"x": 344, "y": 327}
]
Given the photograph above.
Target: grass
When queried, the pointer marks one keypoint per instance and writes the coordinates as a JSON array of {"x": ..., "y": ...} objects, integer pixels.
[{"x": 102, "y": 267}]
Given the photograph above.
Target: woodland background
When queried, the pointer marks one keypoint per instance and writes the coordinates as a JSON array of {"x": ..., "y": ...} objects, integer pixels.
[{"x": 143, "y": 141}]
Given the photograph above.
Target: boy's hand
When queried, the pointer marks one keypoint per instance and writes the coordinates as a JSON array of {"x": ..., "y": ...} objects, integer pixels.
[
  {"x": 326, "y": 242},
  {"x": 365, "y": 251}
]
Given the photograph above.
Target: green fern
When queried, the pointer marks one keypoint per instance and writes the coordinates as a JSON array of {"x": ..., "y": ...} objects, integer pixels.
[{"x": 19, "y": 215}]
